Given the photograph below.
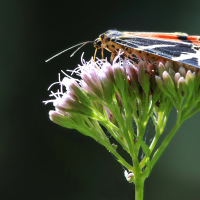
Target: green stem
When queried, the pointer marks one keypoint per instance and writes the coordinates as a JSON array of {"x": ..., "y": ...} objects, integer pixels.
[
  {"x": 166, "y": 140},
  {"x": 186, "y": 116},
  {"x": 119, "y": 158},
  {"x": 139, "y": 188}
]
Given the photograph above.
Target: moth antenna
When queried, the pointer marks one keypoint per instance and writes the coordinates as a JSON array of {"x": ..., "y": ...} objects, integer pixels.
[{"x": 82, "y": 44}]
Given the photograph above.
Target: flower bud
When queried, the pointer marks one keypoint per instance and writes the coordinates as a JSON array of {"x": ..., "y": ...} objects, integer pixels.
[
  {"x": 161, "y": 85},
  {"x": 107, "y": 85},
  {"x": 182, "y": 71},
  {"x": 75, "y": 107},
  {"x": 168, "y": 65},
  {"x": 177, "y": 76},
  {"x": 61, "y": 119},
  {"x": 114, "y": 146},
  {"x": 79, "y": 92},
  {"x": 129, "y": 176},
  {"x": 161, "y": 68},
  {"x": 143, "y": 77},
  {"x": 197, "y": 82},
  {"x": 169, "y": 84},
  {"x": 182, "y": 87},
  {"x": 171, "y": 73},
  {"x": 190, "y": 79},
  {"x": 119, "y": 76},
  {"x": 93, "y": 83},
  {"x": 133, "y": 80}
]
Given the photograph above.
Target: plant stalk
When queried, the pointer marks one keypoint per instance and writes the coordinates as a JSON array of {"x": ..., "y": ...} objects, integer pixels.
[{"x": 139, "y": 188}]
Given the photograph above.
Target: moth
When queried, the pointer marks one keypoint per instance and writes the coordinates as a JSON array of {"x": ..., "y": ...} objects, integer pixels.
[{"x": 148, "y": 46}]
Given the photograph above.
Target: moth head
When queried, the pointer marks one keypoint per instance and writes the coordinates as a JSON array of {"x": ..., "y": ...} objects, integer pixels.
[{"x": 97, "y": 43}]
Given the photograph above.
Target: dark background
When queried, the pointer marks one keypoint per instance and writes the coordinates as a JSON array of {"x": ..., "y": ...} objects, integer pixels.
[{"x": 40, "y": 160}]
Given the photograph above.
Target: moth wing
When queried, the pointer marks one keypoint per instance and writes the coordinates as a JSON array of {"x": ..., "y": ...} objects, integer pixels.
[
  {"x": 184, "y": 52},
  {"x": 155, "y": 34}
]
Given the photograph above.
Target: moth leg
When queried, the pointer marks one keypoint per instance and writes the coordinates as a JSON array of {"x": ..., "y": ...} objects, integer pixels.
[
  {"x": 102, "y": 54},
  {"x": 113, "y": 55},
  {"x": 95, "y": 54}
]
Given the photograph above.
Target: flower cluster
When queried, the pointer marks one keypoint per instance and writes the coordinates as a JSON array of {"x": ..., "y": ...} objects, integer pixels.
[
  {"x": 181, "y": 85},
  {"x": 114, "y": 95}
]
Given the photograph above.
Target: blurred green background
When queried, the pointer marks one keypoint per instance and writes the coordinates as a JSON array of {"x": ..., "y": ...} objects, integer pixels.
[{"x": 40, "y": 160}]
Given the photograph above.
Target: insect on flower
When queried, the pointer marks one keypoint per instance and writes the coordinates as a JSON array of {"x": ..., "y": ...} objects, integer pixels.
[{"x": 149, "y": 46}]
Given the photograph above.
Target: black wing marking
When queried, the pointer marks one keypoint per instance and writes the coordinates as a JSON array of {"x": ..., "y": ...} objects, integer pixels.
[{"x": 177, "y": 51}]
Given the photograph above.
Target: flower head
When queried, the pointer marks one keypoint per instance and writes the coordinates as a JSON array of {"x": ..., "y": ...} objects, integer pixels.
[{"x": 114, "y": 95}]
